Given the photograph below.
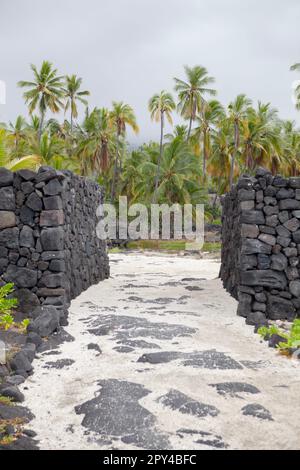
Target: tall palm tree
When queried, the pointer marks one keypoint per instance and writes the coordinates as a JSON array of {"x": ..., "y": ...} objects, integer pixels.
[
  {"x": 14, "y": 163},
  {"x": 47, "y": 149},
  {"x": 291, "y": 148},
  {"x": 45, "y": 92},
  {"x": 34, "y": 125},
  {"x": 160, "y": 106},
  {"x": 237, "y": 113},
  {"x": 261, "y": 137},
  {"x": 61, "y": 130},
  {"x": 122, "y": 115},
  {"x": 296, "y": 67},
  {"x": 211, "y": 113},
  {"x": 131, "y": 175},
  {"x": 178, "y": 131},
  {"x": 179, "y": 167},
  {"x": 191, "y": 92},
  {"x": 17, "y": 132},
  {"x": 73, "y": 94},
  {"x": 95, "y": 142},
  {"x": 220, "y": 162}
]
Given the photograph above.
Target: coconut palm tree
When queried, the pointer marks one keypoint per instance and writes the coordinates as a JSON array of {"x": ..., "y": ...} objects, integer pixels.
[
  {"x": 178, "y": 131},
  {"x": 34, "y": 125},
  {"x": 192, "y": 91},
  {"x": 61, "y": 130},
  {"x": 131, "y": 175},
  {"x": 237, "y": 113},
  {"x": 47, "y": 149},
  {"x": 211, "y": 113},
  {"x": 122, "y": 115},
  {"x": 296, "y": 67},
  {"x": 179, "y": 169},
  {"x": 260, "y": 136},
  {"x": 14, "y": 163},
  {"x": 73, "y": 94},
  {"x": 95, "y": 143},
  {"x": 16, "y": 133},
  {"x": 288, "y": 162},
  {"x": 219, "y": 164},
  {"x": 161, "y": 106},
  {"x": 45, "y": 92}
]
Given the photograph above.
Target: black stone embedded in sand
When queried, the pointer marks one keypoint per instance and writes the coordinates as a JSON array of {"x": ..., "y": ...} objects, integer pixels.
[{"x": 117, "y": 413}]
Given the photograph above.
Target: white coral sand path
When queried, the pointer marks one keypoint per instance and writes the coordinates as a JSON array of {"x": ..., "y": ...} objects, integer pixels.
[{"x": 177, "y": 369}]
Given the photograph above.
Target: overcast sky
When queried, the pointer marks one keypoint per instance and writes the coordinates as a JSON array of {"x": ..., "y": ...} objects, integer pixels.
[{"x": 130, "y": 49}]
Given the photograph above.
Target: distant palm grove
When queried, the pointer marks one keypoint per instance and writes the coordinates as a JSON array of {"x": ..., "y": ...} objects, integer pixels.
[{"x": 205, "y": 154}]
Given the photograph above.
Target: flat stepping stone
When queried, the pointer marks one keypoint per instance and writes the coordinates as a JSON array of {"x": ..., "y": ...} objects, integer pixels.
[
  {"x": 116, "y": 412},
  {"x": 204, "y": 438},
  {"x": 178, "y": 401},
  {"x": 233, "y": 389},
  {"x": 60, "y": 364},
  {"x": 257, "y": 411},
  {"x": 204, "y": 359}
]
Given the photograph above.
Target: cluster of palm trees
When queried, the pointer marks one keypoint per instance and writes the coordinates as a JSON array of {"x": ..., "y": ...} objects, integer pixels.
[
  {"x": 207, "y": 152},
  {"x": 229, "y": 140}
]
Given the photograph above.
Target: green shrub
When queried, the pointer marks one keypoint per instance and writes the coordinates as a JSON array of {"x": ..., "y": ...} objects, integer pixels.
[
  {"x": 6, "y": 306},
  {"x": 6, "y": 321},
  {"x": 23, "y": 325},
  {"x": 292, "y": 338},
  {"x": 266, "y": 332}
]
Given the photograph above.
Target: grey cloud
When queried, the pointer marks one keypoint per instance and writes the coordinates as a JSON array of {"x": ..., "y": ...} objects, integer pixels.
[{"x": 129, "y": 49}]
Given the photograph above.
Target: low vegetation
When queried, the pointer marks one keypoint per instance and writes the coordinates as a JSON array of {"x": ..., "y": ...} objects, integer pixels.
[
  {"x": 14, "y": 425},
  {"x": 6, "y": 401},
  {"x": 166, "y": 245},
  {"x": 290, "y": 340},
  {"x": 7, "y": 305}
]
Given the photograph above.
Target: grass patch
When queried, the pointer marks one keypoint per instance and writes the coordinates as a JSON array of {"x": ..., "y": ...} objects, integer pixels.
[
  {"x": 17, "y": 423},
  {"x": 114, "y": 250},
  {"x": 6, "y": 401},
  {"x": 7, "y": 440},
  {"x": 212, "y": 247},
  {"x": 169, "y": 245},
  {"x": 217, "y": 222}
]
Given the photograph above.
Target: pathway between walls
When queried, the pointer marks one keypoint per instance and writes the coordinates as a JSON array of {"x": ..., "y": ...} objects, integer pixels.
[{"x": 160, "y": 360}]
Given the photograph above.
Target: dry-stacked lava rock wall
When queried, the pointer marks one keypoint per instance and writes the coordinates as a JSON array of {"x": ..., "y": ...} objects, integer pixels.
[
  {"x": 48, "y": 243},
  {"x": 261, "y": 246}
]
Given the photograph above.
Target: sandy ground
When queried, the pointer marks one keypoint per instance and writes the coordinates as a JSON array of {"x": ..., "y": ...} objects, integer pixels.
[{"x": 176, "y": 369}]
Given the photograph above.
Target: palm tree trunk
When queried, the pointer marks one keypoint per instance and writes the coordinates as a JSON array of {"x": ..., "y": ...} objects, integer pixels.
[
  {"x": 115, "y": 175},
  {"x": 233, "y": 157},
  {"x": 217, "y": 193},
  {"x": 71, "y": 121},
  {"x": 249, "y": 157},
  {"x": 204, "y": 153},
  {"x": 191, "y": 119},
  {"x": 232, "y": 163},
  {"x": 190, "y": 128},
  {"x": 160, "y": 156},
  {"x": 41, "y": 124}
]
